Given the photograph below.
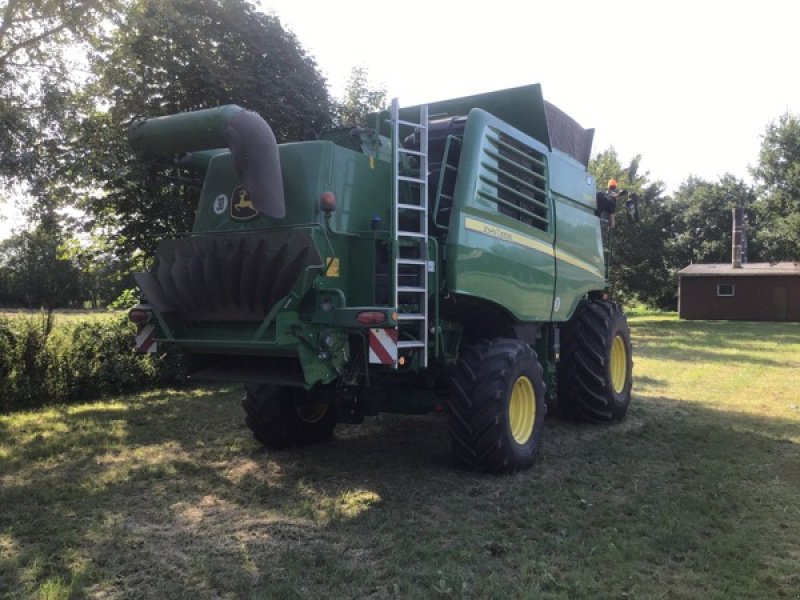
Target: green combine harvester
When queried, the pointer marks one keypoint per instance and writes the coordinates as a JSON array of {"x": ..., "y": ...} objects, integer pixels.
[{"x": 448, "y": 256}]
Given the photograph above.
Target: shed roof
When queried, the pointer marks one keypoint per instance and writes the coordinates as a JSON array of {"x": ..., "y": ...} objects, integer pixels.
[{"x": 747, "y": 269}]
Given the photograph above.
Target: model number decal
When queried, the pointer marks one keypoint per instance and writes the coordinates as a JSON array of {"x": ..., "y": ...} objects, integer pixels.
[{"x": 506, "y": 235}]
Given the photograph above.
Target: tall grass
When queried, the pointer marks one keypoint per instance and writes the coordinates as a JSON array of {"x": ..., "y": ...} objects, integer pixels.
[{"x": 77, "y": 359}]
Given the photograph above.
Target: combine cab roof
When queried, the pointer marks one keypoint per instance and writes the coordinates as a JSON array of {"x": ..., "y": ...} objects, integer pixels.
[{"x": 526, "y": 109}]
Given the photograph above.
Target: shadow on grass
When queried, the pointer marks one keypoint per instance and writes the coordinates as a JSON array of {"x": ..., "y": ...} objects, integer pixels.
[{"x": 171, "y": 498}]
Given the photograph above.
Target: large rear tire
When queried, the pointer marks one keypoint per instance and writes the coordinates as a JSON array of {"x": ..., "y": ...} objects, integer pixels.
[
  {"x": 497, "y": 407},
  {"x": 281, "y": 416},
  {"x": 595, "y": 374}
]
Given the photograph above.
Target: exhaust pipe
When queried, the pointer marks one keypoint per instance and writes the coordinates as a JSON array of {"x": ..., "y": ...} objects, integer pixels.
[
  {"x": 738, "y": 238},
  {"x": 250, "y": 139}
]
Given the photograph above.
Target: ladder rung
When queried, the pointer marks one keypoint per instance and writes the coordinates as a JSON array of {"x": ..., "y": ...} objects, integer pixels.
[
  {"x": 414, "y": 344},
  {"x": 412, "y": 261},
  {"x": 411, "y": 206},
  {"x": 411, "y": 234},
  {"x": 407, "y": 289},
  {"x": 413, "y": 152},
  {"x": 410, "y": 124},
  {"x": 410, "y": 317},
  {"x": 411, "y": 179}
]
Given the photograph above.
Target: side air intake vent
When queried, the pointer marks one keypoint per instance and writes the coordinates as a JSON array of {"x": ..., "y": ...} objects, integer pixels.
[{"x": 517, "y": 175}]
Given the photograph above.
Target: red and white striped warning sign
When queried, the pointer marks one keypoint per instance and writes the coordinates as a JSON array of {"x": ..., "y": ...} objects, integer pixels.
[
  {"x": 383, "y": 346},
  {"x": 145, "y": 341}
]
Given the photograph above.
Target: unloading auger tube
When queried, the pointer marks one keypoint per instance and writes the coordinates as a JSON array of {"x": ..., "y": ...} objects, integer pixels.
[{"x": 250, "y": 139}]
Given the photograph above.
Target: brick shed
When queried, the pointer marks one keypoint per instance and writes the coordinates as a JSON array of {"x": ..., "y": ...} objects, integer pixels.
[{"x": 750, "y": 292}]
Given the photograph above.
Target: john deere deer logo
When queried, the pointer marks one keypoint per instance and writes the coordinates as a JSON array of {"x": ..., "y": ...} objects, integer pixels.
[{"x": 242, "y": 207}]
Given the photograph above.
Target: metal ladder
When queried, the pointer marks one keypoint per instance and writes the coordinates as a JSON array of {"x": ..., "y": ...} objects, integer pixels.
[{"x": 410, "y": 246}]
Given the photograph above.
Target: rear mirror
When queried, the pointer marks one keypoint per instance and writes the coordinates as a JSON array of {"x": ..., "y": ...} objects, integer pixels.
[{"x": 632, "y": 208}]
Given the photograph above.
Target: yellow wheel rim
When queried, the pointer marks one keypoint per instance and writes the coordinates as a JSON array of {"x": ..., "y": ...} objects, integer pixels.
[
  {"x": 619, "y": 364},
  {"x": 522, "y": 410},
  {"x": 312, "y": 413}
]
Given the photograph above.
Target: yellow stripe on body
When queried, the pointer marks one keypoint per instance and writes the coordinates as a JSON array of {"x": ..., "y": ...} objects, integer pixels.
[
  {"x": 507, "y": 235},
  {"x": 514, "y": 237},
  {"x": 577, "y": 262}
]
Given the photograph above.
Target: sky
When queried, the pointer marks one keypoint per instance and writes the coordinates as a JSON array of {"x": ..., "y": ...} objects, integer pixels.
[{"x": 691, "y": 86}]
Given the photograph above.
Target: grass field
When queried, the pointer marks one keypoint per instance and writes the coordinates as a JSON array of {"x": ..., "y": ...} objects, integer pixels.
[{"x": 164, "y": 495}]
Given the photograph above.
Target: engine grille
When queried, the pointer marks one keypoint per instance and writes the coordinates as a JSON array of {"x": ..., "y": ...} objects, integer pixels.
[{"x": 517, "y": 177}]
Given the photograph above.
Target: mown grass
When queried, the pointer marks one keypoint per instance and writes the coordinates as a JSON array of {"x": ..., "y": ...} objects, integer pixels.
[{"x": 164, "y": 495}]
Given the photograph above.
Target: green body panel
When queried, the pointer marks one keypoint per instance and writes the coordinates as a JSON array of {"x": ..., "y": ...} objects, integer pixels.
[
  {"x": 580, "y": 266},
  {"x": 309, "y": 169},
  {"x": 491, "y": 255},
  {"x": 537, "y": 273}
]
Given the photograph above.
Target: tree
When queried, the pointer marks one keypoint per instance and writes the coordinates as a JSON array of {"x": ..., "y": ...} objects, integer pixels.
[
  {"x": 641, "y": 267},
  {"x": 702, "y": 220},
  {"x": 30, "y": 29},
  {"x": 777, "y": 176},
  {"x": 170, "y": 56},
  {"x": 35, "y": 36},
  {"x": 104, "y": 274},
  {"x": 359, "y": 100},
  {"x": 36, "y": 269}
]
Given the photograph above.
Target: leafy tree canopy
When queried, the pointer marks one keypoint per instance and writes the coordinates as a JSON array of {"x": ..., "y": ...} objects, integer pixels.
[
  {"x": 777, "y": 176},
  {"x": 360, "y": 99},
  {"x": 36, "y": 37},
  {"x": 703, "y": 219},
  {"x": 35, "y": 269},
  {"x": 171, "y": 56},
  {"x": 641, "y": 267}
]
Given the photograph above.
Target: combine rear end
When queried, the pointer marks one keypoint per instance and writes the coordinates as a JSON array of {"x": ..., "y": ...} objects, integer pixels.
[{"x": 422, "y": 262}]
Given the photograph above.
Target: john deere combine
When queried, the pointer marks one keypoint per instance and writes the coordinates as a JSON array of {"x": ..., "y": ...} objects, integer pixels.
[{"x": 448, "y": 255}]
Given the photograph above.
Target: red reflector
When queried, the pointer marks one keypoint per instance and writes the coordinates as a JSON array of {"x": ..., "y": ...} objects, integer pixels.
[
  {"x": 371, "y": 317},
  {"x": 139, "y": 316}
]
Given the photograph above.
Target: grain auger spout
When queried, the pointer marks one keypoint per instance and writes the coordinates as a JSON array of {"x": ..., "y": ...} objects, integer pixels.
[{"x": 250, "y": 139}]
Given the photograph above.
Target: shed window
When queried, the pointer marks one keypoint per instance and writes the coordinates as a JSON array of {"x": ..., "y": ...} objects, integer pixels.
[{"x": 726, "y": 289}]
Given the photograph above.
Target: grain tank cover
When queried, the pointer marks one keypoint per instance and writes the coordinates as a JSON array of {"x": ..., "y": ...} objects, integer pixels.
[
  {"x": 525, "y": 109},
  {"x": 567, "y": 135}
]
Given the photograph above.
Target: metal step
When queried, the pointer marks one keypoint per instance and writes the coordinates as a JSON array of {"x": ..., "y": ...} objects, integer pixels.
[
  {"x": 410, "y": 344},
  {"x": 411, "y": 179},
  {"x": 410, "y": 317},
  {"x": 410, "y": 124}
]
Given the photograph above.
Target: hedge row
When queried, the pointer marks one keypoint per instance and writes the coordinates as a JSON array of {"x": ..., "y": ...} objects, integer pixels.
[{"x": 75, "y": 361}]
